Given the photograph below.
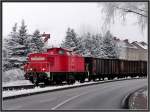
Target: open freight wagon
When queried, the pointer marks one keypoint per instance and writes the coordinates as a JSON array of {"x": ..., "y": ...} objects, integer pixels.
[{"x": 111, "y": 68}]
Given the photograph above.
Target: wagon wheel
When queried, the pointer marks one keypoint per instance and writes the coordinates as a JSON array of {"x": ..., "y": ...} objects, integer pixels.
[{"x": 94, "y": 79}]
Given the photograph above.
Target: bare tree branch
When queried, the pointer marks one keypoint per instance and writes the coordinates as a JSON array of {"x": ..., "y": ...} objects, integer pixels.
[
  {"x": 128, "y": 10},
  {"x": 141, "y": 9},
  {"x": 113, "y": 9}
]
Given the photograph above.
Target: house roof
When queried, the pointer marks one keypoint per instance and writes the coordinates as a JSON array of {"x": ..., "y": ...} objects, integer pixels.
[
  {"x": 127, "y": 44},
  {"x": 140, "y": 45}
]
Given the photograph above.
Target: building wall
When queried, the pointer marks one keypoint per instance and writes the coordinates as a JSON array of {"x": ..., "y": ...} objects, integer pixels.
[{"x": 133, "y": 54}]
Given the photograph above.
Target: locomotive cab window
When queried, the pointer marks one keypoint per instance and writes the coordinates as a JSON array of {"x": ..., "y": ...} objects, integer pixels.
[{"x": 61, "y": 52}]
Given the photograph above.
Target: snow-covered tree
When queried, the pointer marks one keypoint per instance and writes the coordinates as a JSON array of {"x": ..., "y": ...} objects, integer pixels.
[
  {"x": 71, "y": 42},
  {"x": 109, "y": 47},
  {"x": 16, "y": 47},
  {"x": 98, "y": 43},
  {"x": 39, "y": 43},
  {"x": 122, "y": 9},
  {"x": 87, "y": 44},
  {"x": 92, "y": 45},
  {"x": 5, "y": 62},
  {"x": 35, "y": 43},
  {"x": 79, "y": 48},
  {"x": 32, "y": 48},
  {"x": 23, "y": 36},
  {"x": 22, "y": 33}
]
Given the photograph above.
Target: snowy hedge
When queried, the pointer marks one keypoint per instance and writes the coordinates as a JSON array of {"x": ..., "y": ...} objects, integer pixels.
[{"x": 12, "y": 75}]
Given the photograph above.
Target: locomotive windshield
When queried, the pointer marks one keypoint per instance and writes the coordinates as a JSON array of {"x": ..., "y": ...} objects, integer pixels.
[{"x": 61, "y": 52}]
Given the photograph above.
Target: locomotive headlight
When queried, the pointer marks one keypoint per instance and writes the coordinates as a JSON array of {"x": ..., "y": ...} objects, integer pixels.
[
  {"x": 30, "y": 68},
  {"x": 43, "y": 69}
]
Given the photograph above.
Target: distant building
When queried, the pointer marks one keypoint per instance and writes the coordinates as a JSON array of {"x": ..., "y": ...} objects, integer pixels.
[
  {"x": 142, "y": 50},
  {"x": 132, "y": 51}
]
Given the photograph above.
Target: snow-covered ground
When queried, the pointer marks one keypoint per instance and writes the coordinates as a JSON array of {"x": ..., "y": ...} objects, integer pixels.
[
  {"x": 145, "y": 93},
  {"x": 38, "y": 89},
  {"x": 139, "y": 99},
  {"x": 16, "y": 83}
]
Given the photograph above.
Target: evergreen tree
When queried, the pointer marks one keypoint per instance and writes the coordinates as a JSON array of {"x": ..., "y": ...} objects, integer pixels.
[
  {"x": 17, "y": 48},
  {"x": 109, "y": 47},
  {"x": 71, "y": 42},
  {"x": 79, "y": 46},
  {"x": 37, "y": 39},
  {"x": 92, "y": 45},
  {"x": 34, "y": 42},
  {"x": 5, "y": 62},
  {"x": 22, "y": 33},
  {"x": 87, "y": 45},
  {"x": 23, "y": 36},
  {"x": 97, "y": 46},
  {"x": 15, "y": 51},
  {"x": 32, "y": 48},
  {"x": 18, "y": 45}
]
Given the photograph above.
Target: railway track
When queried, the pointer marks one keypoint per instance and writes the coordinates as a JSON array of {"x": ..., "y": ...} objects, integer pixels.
[
  {"x": 22, "y": 87},
  {"x": 18, "y": 87},
  {"x": 42, "y": 85},
  {"x": 28, "y": 86}
]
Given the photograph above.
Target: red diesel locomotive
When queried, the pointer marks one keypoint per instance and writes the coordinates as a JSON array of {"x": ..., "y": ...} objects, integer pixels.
[
  {"x": 55, "y": 66},
  {"x": 58, "y": 65}
]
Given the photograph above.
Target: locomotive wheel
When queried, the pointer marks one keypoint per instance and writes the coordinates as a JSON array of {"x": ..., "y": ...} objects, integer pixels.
[
  {"x": 99, "y": 78},
  {"x": 109, "y": 78},
  {"x": 94, "y": 79},
  {"x": 46, "y": 82},
  {"x": 103, "y": 78},
  {"x": 71, "y": 80},
  {"x": 35, "y": 80}
]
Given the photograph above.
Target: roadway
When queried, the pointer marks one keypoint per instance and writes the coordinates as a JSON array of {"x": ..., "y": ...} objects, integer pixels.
[{"x": 96, "y": 97}]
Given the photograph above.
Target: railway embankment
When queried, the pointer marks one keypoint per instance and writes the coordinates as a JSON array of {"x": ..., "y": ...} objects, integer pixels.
[{"x": 138, "y": 99}]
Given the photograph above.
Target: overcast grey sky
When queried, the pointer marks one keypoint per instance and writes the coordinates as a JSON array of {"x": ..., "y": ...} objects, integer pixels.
[{"x": 55, "y": 18}]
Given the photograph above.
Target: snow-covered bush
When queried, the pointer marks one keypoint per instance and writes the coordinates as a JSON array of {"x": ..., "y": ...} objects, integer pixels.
[{"x": 12, "y": 75}]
